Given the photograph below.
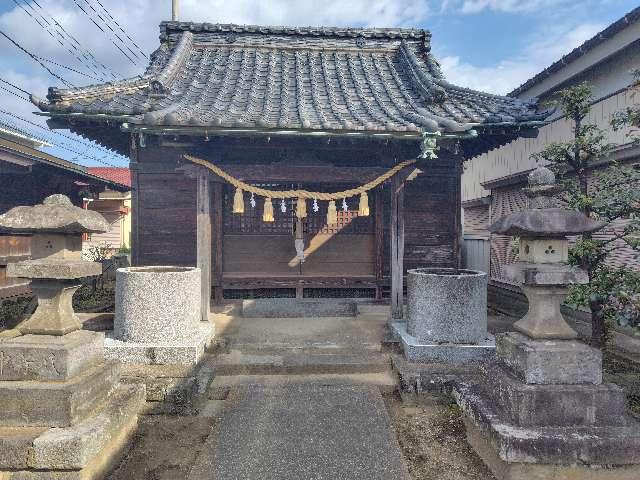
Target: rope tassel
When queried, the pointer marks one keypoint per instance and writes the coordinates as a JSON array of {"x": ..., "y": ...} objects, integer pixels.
[
  {"x": 238, "y": 201},
  {"x": 332, "y": 214},
  {"x": 267, "y": 215},
  {"x": 363, "y": 209},
  {"x": 301, "y": 208}
]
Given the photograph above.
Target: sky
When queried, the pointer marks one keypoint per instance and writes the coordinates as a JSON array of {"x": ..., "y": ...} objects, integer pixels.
[{"x": 490, "y": 45}]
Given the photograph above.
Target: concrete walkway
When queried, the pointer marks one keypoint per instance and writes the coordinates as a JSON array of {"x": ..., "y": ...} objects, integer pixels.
[{"x": 310, "y": 432}]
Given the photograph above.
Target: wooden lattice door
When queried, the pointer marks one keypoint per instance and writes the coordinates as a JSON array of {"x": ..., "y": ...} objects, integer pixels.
[{"x": 253, "y": 248}]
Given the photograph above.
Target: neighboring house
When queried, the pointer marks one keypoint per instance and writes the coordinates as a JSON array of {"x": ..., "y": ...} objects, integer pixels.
[
  {"x": 492, "y": 183},
  {"x": 115, "y": 206},
  {"x": 27, "y": 176}
]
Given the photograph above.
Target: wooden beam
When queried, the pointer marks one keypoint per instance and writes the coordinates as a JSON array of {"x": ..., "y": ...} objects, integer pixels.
[
  {"x": 216, "y": 278},
  {"x": 397, "y": 248},
  {"x": 135, "y": 200},
  {"x": 379, "y": 237},
  {"x": 203, "y": 241}
]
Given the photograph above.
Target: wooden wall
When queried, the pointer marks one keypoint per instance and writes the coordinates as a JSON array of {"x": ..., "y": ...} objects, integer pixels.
[{"x": 166, "y": 208}]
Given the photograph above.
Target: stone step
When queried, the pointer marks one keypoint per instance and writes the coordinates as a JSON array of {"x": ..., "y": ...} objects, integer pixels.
[
  {"x": 34, "y": 452},
  {"x": 299, "y": 307},
  {"x": 386, "y": 381},
  {"x": 57, "y": 404},
  {"x": 240, "y": 363}
]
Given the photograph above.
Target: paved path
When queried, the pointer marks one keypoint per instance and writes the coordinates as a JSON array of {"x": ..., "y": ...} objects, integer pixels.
[{"x": 302, "y": 432}]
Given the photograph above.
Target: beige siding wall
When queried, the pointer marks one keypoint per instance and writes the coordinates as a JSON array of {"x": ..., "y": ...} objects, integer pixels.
[{"x": 516, "y": 156}]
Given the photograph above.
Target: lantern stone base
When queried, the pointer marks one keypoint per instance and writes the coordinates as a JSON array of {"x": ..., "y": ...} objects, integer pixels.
[
  {"x": 507, "y": 470},
  {"x": 514, "y": 452},
  {"x": 542, "y": 409},
  {"x": 452, "y": 353},
  {"x": 152, "y": 353},
  {"x": 65, "y": 414}
]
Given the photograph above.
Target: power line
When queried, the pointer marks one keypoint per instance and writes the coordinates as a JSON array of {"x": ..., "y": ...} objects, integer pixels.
[
  {"x": 66, "y": 147},
  {"x": 122, "y": 29},
  {"x": 71, "y": 43},
  {"x": 13, "y": 93},
  {"x": 57, "y": 37},
  {"x": 106, "y": 23},
  {"x": 103, "y": 31},
  {"x": 14, "y": 86},
  {"x": 35, "y": 58},
  {"x": 82, "y": 142},
  {"x": 71, "y": 69}
]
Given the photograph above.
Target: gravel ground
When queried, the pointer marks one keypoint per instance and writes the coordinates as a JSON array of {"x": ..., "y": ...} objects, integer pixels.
[{"x": 432, "y": 440}]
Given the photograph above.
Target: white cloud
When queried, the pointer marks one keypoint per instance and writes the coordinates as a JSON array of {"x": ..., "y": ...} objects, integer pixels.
[
  {"x": 475, "y": 6},
  {"x": 509, "y": 73}
]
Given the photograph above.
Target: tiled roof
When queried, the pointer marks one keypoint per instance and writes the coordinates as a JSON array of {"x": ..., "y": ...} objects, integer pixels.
[
  {"x": 309, "y": 79},
  {"x": 116, "y": 174}
]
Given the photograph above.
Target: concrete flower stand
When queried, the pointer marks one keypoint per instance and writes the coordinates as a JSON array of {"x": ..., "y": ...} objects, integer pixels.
[
  {"x": 446, "y": 317},
  {"x": 157, "y": 317}
]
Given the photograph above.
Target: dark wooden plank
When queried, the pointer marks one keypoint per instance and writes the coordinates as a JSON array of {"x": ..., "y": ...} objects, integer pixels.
[
  {"x": 397, "y": 247},
  {"x": 217, "y": 233},
  {"x": 203, "y": 239},
  {"x": 135, "y": 201}
]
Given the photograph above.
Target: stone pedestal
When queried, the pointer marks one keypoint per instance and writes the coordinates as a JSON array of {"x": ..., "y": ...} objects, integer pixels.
[
  {"x": 53, "y": 282},
  {"x": 157, "y": 317},
  {"x": 542, "y": 411},
  {"x": 64, "y": 414},
  {"x": 446, "y": 317}
]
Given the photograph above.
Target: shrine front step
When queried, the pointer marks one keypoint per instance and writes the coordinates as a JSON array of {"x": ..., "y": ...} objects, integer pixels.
[
  {"x": 386, "y": 382},
  {"x": 240, "y": 363},
  {"x": 299, "y": 307}
]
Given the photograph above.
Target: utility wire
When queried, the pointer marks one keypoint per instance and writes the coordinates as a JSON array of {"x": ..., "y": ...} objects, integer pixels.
[
  {"x": 57, "y": 37},
  {"x": 82, "y": 142},
  {"x": 103, "y": 31},
  {"x": 71, "y": 43},
  {"x": 63, "y": 146},
  {"x": 14, "y": 86},
  {"x": 71, "y": 69},
  {"x": 35, "y": 58},
  {"x": 107, "y": 24},
  {"x": 66, "y": 147},
  {"x": 13, "y": 93},
  {"x": 122, "y": 29}
]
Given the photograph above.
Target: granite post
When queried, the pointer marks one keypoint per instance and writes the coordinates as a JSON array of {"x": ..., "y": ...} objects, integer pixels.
[
  {"x": 64, "y": 414},
  {"x": 542, "y": 410}
]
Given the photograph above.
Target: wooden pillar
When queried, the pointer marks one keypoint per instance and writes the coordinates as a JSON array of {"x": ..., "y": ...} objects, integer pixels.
[
  {"x": 216, "y": 278},
  {"x": 458, "y": 227},
  {"x": 397, "y": 247},
  {"x": 379, "y": 240},
  {"x": 203, "y": 242},
  {"x": 135, "y": 200}
]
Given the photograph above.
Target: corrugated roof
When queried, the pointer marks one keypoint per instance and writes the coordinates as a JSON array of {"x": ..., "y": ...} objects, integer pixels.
[
  {"x": 117, "y": 174},
  {"x": 284, "y": 78}
]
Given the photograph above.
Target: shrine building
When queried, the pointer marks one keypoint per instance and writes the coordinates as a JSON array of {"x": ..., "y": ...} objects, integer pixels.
[{"x": 240, "y": 137}]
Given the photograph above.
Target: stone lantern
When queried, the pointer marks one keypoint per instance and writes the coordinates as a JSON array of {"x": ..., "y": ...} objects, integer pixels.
[
  {"x": 543, "y": 271},
  {"x": 542, "y": 409},
  {"x": 56, "y": 266}
]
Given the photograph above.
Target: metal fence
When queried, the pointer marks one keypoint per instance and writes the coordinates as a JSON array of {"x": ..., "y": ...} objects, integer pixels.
[{"x": 476, "y": 253}]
